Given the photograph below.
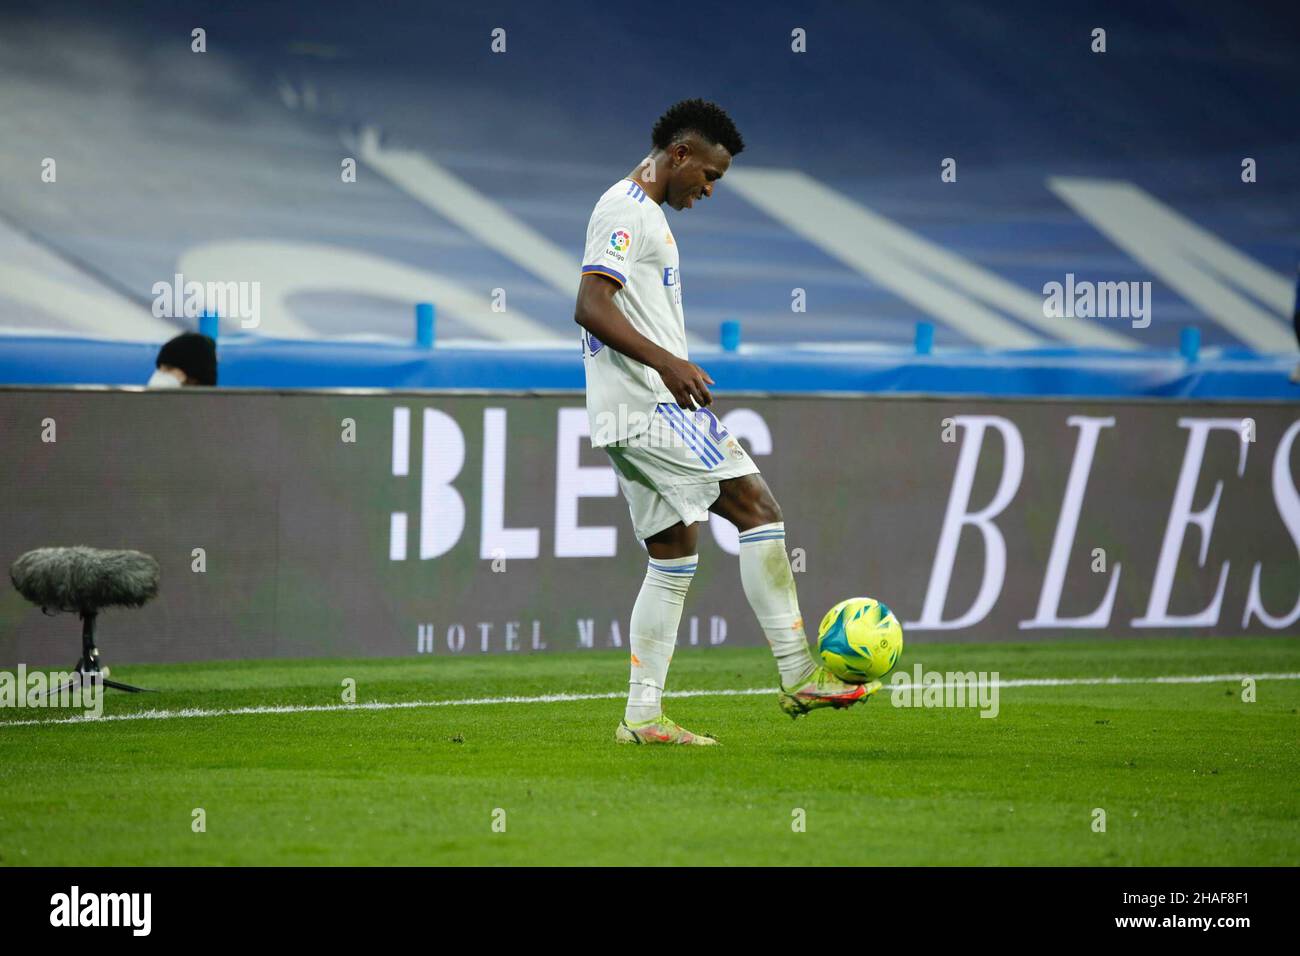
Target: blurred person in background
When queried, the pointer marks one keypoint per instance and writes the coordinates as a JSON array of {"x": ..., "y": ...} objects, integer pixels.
[
  {"x": 1295, "y": 321},
  {"x": 188, "y": 359}
]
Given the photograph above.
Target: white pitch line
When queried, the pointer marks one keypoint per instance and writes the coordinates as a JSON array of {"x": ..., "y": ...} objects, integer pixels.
[{"x": 618, "y": 695}]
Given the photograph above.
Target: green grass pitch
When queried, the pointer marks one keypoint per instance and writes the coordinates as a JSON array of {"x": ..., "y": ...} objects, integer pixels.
[{"x": 1187, "y": 774}]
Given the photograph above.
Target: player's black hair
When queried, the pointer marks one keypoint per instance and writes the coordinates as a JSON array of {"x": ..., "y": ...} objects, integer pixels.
[{"x": 708, "y": 119}]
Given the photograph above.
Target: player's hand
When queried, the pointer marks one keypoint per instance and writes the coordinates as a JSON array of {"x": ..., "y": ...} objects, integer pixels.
[{"x": 688, "y": 383}]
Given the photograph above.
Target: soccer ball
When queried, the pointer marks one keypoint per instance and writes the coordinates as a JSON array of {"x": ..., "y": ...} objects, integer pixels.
[{"x": 860, "y": 640}]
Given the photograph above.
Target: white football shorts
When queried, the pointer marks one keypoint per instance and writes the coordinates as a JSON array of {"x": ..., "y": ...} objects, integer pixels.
[{"x": 671, "y": 471}]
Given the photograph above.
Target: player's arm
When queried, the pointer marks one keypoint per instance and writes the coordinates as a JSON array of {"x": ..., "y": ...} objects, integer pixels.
[{"x": 597, "y": 313}]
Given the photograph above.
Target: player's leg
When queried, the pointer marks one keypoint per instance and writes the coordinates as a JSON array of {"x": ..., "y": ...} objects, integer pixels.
[
  {"x": 652, "y": 633},
  {"x": 765, "y": 572},
  {"x": 653, "y": 636},
  {"x": 768, "y": 580},
  {"x": 656, "y": 615},
  {"x": 676, "y": 542}
]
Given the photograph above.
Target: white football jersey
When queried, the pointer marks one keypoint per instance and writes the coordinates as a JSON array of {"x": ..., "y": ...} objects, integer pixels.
[{"x": 629, "y": 241}]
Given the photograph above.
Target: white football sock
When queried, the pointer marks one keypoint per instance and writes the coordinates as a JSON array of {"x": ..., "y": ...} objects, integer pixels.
[
  {"x": 769, "y": 584},
  {"x": 653, "y": 632}
]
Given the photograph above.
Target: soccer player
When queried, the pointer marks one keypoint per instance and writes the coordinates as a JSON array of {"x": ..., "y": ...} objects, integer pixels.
[{"x": 648, "y": 407}]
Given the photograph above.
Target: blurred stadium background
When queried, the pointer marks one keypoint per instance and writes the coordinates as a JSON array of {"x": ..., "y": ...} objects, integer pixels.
[{"x": 477, "y": 172}]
